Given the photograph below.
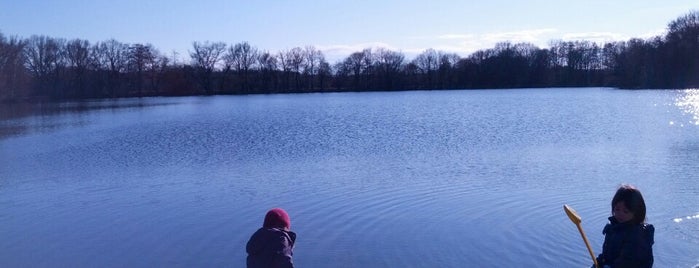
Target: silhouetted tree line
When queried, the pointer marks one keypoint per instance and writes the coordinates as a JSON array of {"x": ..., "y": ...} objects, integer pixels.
[{"x": 55, "y": 68}]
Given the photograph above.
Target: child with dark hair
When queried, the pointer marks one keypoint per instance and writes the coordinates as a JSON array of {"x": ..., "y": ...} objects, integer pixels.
[
  {"x": 272, "y": 245},
  {"x": 628, "y": 239}
]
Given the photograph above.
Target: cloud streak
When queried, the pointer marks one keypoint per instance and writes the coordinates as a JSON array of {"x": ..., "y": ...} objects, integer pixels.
[
  {"x": 597, "y": 37},
  {"x": 526, "y": 36},
  {"x": 466, "y": 44},
  {"x": 335, "y": 53}
]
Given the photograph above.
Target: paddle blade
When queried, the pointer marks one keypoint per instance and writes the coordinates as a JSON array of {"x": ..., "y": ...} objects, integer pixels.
[{"x": 574, "y": 217}]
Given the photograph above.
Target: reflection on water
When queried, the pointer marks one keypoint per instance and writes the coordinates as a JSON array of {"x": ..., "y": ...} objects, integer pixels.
[
  {"x": 688, "y": 101},
  {"x": 25, "y": 118},
  {"x": 694, "y": 217}
]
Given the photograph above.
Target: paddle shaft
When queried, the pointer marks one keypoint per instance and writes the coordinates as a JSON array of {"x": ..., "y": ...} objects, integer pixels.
[
  {"x": 576, "y": 219},
  {"x": 589, "y": 249}
]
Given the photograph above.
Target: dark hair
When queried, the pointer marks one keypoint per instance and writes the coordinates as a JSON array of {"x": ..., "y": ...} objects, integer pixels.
[{"x": 633, "y": 200}]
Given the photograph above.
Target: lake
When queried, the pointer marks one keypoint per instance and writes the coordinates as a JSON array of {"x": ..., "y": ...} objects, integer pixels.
[{"x": 462, "y": 178}]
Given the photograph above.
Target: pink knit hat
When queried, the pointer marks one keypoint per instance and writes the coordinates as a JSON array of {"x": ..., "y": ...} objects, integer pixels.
[{"x": 277, "y": 218}]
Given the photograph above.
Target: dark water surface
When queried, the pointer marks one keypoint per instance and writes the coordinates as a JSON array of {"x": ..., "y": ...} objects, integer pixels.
[{"x": 404, "y": 179}]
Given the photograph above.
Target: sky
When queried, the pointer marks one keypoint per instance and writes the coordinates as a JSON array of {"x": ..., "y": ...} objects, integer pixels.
[{"x": 339, "y": 28}]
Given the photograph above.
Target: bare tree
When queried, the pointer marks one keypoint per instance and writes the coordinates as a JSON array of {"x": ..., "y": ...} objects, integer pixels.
[
  {"x": 285, "y": 66},
  {"x": 111, "y": 57},
  {"x": 141, "y": 58},
  {"x": 78, "y": 59},
  {"x": 241, "y": 58},
  {"x": 291, "y": 61},
  {"x": 579, "y": 59},
  {"x": 682, "y": 50},
  {"x": 324, "y": 74},
  {"x": 312, "y": 63},
  {"x": 358, "y": 65},
  {"x": 205, "y": 57},
  {"x": 45, "y": 59},
  {"x": 388, "y": 66},
  {"x": 427, "y": 63},
  {"x": 78, "y": 53},
  {"x": 12, "y": 72},
  {"x": 114, "y": 55},
  {"x": 155, "y": 72},
  {"x": 447, "y": 69},
  {"x": 268, "y": 68},
  {"x": 296, "y": 58}
]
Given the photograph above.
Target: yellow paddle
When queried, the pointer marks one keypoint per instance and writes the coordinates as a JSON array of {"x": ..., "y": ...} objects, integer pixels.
[{"x": 575, "y": 218}]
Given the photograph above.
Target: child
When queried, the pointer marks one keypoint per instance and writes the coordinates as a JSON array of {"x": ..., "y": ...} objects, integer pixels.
[
  {"x": 628, "y": 239},
  {"x": 273, "y": 244}
]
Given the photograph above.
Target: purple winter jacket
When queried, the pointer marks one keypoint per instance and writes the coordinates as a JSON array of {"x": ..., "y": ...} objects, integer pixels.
[{"x": 271, "y": 248}]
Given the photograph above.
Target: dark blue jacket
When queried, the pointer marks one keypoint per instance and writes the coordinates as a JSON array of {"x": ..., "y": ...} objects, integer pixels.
[
  {"x": 271, "y": 248},
  {"x": 627, "y": 245}
]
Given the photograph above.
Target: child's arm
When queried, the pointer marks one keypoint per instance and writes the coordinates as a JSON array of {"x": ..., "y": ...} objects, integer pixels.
[{"x": 283, "y": 248}]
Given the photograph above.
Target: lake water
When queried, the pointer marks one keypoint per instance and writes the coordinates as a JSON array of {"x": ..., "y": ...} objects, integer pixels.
[{"x": 474, "y": 178}]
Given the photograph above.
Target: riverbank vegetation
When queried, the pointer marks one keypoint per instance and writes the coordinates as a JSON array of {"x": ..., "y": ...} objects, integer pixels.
[{"x": 42, "y": 67}]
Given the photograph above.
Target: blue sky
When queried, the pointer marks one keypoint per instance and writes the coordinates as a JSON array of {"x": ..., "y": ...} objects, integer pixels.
[{"x": 341, "y": 27}]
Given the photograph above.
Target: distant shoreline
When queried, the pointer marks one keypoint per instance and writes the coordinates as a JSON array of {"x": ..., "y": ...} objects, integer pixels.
[{"x": 41, "y": 67}]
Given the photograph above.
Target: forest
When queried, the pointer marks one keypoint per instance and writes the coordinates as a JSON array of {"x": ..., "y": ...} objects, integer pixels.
[{"x": 49, "y": 68}]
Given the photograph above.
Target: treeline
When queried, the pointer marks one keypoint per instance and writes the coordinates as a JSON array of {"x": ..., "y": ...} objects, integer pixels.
[{"x": 55, "y": 68}]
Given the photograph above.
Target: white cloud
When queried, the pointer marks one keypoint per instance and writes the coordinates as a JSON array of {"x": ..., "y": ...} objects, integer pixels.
[
  {"x": 462, "y": 44},
  {"x": 534, "y": 36},
  {"x": 334, "y": 53},
  {"x": 597, "y": 37},
  {"x": 466, "y": 44},
  {"x": 654, "y": 33}
]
